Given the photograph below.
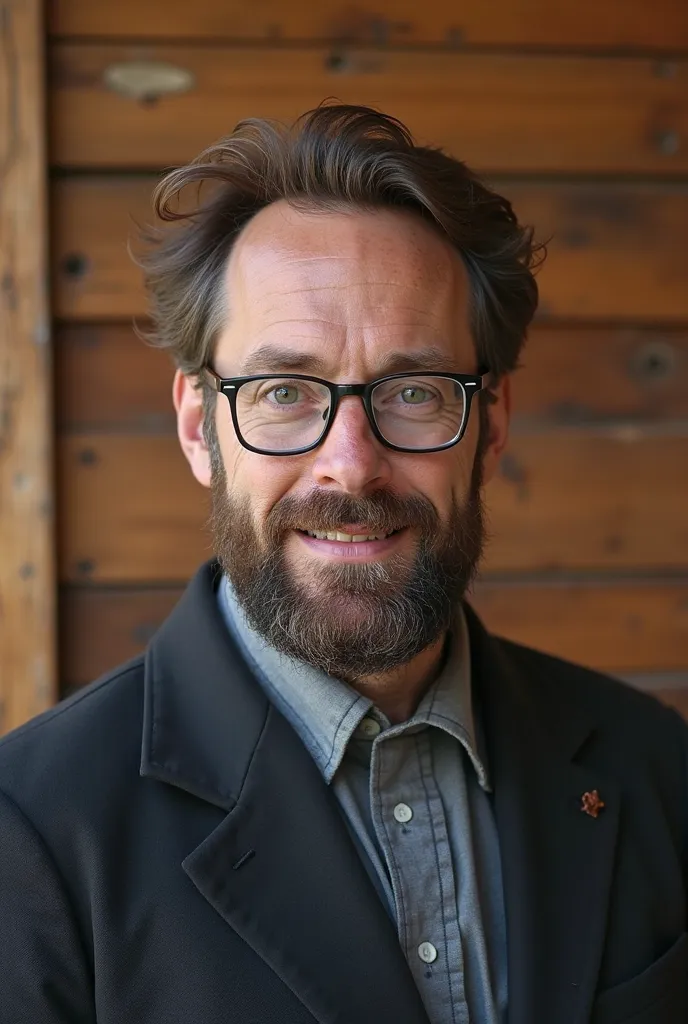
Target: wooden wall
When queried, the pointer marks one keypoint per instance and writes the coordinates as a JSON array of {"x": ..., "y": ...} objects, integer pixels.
[{"x": 579, "y": 112}]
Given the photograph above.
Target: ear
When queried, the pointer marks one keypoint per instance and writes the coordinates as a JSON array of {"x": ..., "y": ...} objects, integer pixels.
[
  {"x": 500, "y": 415},
  {"x": 188, "y": 403}
]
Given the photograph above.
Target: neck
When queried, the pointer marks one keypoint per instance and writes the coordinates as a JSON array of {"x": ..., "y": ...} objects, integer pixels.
[{"x": 399, "y": 692}]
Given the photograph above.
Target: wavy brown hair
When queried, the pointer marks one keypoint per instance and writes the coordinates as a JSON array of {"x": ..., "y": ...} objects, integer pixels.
[{"x": 336, "y": 156}]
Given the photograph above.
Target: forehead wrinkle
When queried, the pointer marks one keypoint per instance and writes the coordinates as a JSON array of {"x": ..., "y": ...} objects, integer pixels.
[
  {"x": 304, "y": 320},
  {"x": 314, "y": 259},
  {"x": 406, "y": 270},
  {"x": 272, "y": 276},
  {"x": 333, "y": 287}
]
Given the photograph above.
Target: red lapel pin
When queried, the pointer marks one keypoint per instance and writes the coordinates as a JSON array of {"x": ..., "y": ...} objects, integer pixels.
[{"x": 591, "y": 803}]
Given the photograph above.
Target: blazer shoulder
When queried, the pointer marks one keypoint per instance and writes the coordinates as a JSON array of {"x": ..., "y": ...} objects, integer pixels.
[
  {"x": 571, "y": 687},
  {"x": 78, "y": 738}
]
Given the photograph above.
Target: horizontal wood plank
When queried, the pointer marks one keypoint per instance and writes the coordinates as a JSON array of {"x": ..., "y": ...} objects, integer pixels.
[
  {"x": 130, "y": 509},
  {"x": 567, "y": 23},
  {"x": 618, "y": 252},
  {"x": 107, "y": 378},
  {"x": 628, "y": 627},
  {"x": 100, "y": 629},
  {"x": 499, "y": 113},
  {"x": 94, "y": 222},
  {"x": 593, "y": 374},
  {"x": 618, "y": 627}
]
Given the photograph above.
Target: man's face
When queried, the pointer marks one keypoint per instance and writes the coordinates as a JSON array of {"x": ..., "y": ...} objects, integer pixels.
[{"x": 346, "y": 292}]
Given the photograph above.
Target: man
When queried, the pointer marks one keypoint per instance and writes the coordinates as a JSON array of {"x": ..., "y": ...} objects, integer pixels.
[{"x": 326, "y": 793}]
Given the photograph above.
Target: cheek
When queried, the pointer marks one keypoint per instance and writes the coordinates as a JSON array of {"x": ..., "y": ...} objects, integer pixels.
[
  {"x": 258, "y": 479},
  {"x": 442, "y": 478}
]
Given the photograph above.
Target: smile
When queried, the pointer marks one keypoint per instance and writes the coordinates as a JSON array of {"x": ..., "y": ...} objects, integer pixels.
[
  {"x": 347, "y": 538},
  {"x": 340, "y": 545}
]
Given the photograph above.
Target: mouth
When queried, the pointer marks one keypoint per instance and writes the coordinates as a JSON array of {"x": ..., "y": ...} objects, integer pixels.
[
  {"x": 348, "y": 538},
  {"x": 363, "y": 545}
]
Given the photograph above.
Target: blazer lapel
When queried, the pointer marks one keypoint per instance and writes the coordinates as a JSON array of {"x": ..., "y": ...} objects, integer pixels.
[
  {"x": 281, "y": 868},
  {"x": 557, "y": 860}
]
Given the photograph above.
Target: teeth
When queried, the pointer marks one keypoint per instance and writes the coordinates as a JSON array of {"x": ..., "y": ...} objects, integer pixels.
[{"x": 346, "y": 538}]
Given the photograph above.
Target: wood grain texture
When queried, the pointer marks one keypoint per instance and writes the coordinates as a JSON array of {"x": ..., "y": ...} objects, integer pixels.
[
  {"x": 618, "y": 251},
  {"x": 597, "y": 375},
  {"x": 93, "y": 222},
  {"x": 617, "y": 627},
  {"x": 567, "y": 23},
  {"x": 614, "y": 626},
  {"x": 27, "y": 573},
  {"x": 108, "y": 379},
  {"x": 131, "y": 511},
  {"x": 101, "y": 628},
  {"x": 500, "y": 113}
]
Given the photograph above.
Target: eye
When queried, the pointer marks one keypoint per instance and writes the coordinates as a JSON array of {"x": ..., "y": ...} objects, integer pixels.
[
  {"x": 284, "y": 394},
  {"x": 414, "y": 395}
]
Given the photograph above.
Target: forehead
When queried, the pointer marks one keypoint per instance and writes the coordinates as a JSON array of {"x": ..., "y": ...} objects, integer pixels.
[{"x": 345, "y": 279}]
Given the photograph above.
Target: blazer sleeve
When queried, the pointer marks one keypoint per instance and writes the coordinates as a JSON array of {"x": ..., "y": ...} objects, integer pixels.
[{"x": 44, "y": 978}]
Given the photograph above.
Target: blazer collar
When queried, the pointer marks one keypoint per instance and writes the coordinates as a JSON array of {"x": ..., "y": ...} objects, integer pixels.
[{"x": 203, "y": 713}]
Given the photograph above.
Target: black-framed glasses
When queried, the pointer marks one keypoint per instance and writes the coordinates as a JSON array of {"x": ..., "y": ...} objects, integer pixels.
[{"x": 290, "y": 414}]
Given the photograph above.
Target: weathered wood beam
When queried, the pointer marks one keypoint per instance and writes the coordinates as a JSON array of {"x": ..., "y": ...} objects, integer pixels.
[{"x": 28, "y": 682}]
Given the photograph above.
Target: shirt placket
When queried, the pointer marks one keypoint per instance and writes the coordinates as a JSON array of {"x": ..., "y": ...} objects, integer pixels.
[{"x": 411, "y": 826}]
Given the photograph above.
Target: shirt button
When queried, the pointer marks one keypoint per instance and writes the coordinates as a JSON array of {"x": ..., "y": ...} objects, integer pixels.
[
  {"x": 368, "y": 728},
  {"x": 403, "y": 813},
  {"x": 427, "y": 952}
]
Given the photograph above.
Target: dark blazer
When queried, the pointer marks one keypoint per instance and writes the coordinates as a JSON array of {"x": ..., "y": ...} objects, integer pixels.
[{"x": 169, "y": 853}]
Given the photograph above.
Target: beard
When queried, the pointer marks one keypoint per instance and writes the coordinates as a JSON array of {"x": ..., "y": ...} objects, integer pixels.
[{"x": 350, "y": 620}]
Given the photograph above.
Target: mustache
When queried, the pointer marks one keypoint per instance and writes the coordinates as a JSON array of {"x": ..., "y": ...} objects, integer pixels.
[{"x": 381, "y": 511}]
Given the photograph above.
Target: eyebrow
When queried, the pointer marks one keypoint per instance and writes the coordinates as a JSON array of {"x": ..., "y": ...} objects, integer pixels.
[{"x": 277, "y": 359}]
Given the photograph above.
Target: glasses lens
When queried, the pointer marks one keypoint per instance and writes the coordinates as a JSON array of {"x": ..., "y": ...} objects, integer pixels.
[
  {"x": 279, "y": 414},
  {"x": 419, "y": 412}
]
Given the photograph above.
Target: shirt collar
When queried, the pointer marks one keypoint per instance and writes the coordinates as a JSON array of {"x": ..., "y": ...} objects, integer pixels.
[{"x": 325, "y": 711}]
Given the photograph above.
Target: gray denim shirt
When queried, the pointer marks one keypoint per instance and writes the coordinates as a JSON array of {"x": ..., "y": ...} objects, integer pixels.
[{"x": 415, "y": 797}]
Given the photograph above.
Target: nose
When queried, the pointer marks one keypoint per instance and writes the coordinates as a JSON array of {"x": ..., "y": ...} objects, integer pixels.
[{"x": 351, "y": 457}]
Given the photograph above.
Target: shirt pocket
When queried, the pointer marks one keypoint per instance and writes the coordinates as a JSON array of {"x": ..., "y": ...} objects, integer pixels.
[{"x": 657, "y": 996}]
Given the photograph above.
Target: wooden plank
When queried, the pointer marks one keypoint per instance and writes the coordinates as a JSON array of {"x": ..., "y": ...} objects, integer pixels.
[
  {"x": 568, "y": 23},
  {"x": 592, "y": 374},
  {"x": 131, "y": 511},
  {"x": 100, "y": 629},
  {"x": 618, "y": 250},
  {"x": 616, "y": 627},
  {"x": 590, "y": 501},
  {"x": 500, "y": 113},
  {"x": 94, "y": 219},
  {"x": 126, "y": 504},
  {"x": 108, "y": 379},
  {"x": 27, "y": 574}
]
